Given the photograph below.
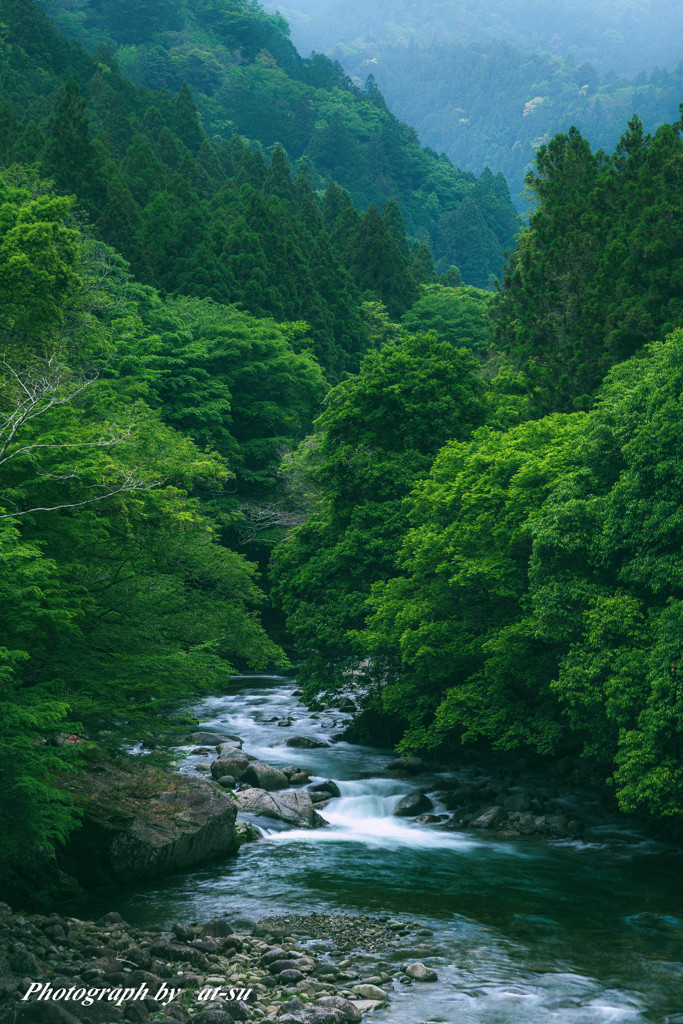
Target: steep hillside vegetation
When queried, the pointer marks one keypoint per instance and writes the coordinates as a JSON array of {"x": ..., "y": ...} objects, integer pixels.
[
  {"x": 247, "y": 78},
  {"x": 469, "y": 80}
]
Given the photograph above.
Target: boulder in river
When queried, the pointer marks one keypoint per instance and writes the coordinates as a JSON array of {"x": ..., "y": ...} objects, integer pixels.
[
  {"x": 491, "y": 817},
  {"x": 231, "y": 748},
  {"x": 227, "y": 782},
  {"x": 369, "y": 992},
  {"x": 235, "y": 766},
  {"x": 517, "y": 802},
  {"x": 145, "y": 824},
  {"x": 346, "y": 704},
  {"x": 293, "y": 806},
  {"x": 305, "y": 742},
  {"x": 264, "y": 776},
  {"x": 209, "y": 738},
  {"x": 328, "y": 787},
  {"x": 413, "y": 804},
  {"x": 419, "y": 972},
  {"x": 349, "y": 1010}
]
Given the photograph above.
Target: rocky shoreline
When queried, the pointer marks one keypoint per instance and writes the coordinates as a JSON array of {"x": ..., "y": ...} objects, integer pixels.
[{"x": 311, "y": 969}]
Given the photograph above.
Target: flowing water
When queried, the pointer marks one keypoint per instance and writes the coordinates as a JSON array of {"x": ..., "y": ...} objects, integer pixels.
[{"x": 525, "y": 931}]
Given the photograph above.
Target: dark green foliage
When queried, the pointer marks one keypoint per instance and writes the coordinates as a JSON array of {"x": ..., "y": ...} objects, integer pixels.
[
  {"x": 598, "y": 273},
  {"x": 379, "y": 265},
  {"x": 246, "y": 77}
]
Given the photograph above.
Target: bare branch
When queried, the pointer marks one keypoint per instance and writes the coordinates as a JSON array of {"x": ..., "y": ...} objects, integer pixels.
[
  {"x": 33, "y": 395},
  {"x": 30, "y": 394},
  {"x": 130, "y": 483},
  {"x": 256, "y": 519}
]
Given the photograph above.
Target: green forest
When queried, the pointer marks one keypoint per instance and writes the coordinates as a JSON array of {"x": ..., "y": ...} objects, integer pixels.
[
  {"x": 626, "y": 35},
  {"x": 487, "y": 84},
  {"x": 290, "y": 388}
]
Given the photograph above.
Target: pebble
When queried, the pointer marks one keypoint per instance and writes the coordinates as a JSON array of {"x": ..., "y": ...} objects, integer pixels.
[{"x": 324, "y": 976}]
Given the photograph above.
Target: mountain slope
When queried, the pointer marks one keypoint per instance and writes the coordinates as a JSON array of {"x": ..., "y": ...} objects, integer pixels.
[
  {"x": 468, "y": 79},
  {"x": 246, "y": 77}
]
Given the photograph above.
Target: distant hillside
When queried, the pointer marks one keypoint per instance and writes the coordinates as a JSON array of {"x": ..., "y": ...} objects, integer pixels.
[
  {"x": 475, "y": 90},
  {"x": 247, "y": 78},
  {"x": 626, "y": 35}
]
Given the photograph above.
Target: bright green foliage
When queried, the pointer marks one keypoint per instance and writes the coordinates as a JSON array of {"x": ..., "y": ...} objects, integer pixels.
[
  {"x": 235, "y": 386},
  {"x": 608, "y": 582},
  {"x": 39, "y": 280},
  {"x": 116, "y": 598},
  {"x": 598, "y": 272},
  {"x": 377, "y": 436},
  {"x": 453, "y": 637},
  {"x": 458, "y": 315},
  {"x": 32, "y": 810}
]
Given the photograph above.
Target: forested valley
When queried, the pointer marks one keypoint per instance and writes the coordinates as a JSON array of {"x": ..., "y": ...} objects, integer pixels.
[
  {"x": 489, "y": 83},
  {"x": 278, "y": 385}
]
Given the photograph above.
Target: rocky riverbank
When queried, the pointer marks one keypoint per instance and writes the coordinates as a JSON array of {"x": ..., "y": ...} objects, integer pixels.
[
  {"x": 141, "y": 823},
  {"x": 313, "y": 969}
]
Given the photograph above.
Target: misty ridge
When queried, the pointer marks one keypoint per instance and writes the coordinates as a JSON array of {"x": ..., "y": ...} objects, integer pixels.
[{"x": 488, "y": 83}]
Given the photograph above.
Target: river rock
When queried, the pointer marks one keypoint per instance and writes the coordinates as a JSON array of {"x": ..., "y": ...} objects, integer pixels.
[
  {"x": 217, "y": 927},
  {"x": 235, "y": 766},
  {"x": 408, "y": 764},
  {"x": 210, "y": 738},
  {"x": 291, "y": 975},
  {"x": 227, "y": 782},
  {"x": 231, "y": 748},
  {"x": 329, "y": 787},
  {"x": 271, "y": 955},
  {"x": 518, "y": 802},
  {"x": 412, "y": 804},
  {"x": 44, "y": 1013},
  {"x": 280, "y": 965},
  {"x": 419, "y": 972},
  {"x": 491, "y": 817},
  {"x": 369, "y": 992},
  {"x": 292, "y": 807},
  {"x": 346, "y": 704},
  {"x": 305, "y": 742},
  {"x": 350, "y": 1011},
  {"x": 214, "y": 1015},
  {"x": 366, "y": 1005},
  {"x": 264, "y": 776},
  {"x": 145, "y": 824}
]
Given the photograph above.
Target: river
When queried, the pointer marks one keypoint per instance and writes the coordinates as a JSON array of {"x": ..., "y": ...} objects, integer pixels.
[{"x": 525, "y": 931}]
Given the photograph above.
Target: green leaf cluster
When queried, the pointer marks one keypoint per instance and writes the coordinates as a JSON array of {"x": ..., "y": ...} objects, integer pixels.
[{"x": 136, "y": 435}]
